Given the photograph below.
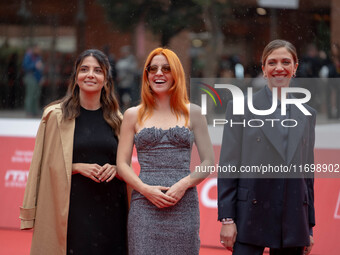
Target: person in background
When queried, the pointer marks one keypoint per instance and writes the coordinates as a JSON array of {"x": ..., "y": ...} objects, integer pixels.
[
  {"x": 333, "y": 86},
  {"x": 33, "y": 69},
  {"x": 260, "y": 212},
  {"x": 74, "y": 199},
  {"x": 12, "y": 77},
  {"x": 309, "y": 67},
  {"x": 112, "y": 60},
  {"x": 126, "y": 68}
]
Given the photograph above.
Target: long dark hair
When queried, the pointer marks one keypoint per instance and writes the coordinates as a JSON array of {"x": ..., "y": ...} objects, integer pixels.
[{"x": 70, "y": 104}]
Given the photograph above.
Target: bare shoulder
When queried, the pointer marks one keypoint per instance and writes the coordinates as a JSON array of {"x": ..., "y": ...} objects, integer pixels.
[
  {"x": 130, "y": 117},
  {"x": 131, "y": 113},
  {"x": 196, "y": 117},
  {"x": 194, "y": 110}
]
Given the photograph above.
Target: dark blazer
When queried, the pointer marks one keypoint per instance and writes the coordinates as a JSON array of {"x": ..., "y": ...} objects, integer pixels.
[{"x": 269, "y": 212}]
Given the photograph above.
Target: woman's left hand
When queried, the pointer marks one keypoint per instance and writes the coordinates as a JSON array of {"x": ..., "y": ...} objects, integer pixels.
[
  {"x": 177, "y": 191},
  {"x": 107, "y": 173}
]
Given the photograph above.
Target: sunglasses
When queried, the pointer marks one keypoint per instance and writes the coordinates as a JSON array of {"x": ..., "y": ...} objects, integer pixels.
[{"x": 154, "y": 69}]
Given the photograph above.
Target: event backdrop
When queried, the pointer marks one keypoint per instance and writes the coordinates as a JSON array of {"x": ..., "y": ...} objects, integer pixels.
[{"x": 17, "y": 139}]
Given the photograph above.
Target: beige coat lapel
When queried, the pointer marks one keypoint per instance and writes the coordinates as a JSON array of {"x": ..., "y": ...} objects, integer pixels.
[{"x": 66, "y": 128}]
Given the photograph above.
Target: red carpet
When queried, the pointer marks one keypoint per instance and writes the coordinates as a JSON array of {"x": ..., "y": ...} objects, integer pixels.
[{"x": 16, "y": 242}]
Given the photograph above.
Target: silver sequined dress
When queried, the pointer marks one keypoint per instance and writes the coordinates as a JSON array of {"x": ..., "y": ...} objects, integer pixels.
[{"x": 164, "y": 157}]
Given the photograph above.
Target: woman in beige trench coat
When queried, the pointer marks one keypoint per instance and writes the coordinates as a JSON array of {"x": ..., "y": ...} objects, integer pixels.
[{"x": 52, "y": 202}]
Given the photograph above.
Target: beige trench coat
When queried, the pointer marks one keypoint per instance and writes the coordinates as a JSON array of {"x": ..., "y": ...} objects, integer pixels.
[{"x": 47, "y": 195}]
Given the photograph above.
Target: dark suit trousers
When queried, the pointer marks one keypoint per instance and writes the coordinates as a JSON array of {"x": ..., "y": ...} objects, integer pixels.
[{"x": 248, "y": 249}]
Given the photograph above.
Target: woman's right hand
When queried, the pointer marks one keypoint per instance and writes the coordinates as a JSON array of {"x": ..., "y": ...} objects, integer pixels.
[
  {"x": 228, "y": 236},
  {"x": 88, "y": 170},
  {"x": 155, "y": 195}
]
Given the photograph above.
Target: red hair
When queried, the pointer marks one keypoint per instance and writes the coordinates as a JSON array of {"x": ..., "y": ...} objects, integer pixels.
[{"x": 178, "y": 90}]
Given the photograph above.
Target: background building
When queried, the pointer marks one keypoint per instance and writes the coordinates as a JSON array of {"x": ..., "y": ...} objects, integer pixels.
[{"x": 218, "y": 35}]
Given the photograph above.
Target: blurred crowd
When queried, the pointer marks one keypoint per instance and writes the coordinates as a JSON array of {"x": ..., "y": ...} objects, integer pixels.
[
  {"x": 325, "y": 66},
  {"x": 318, "y": 71},
  {"x": 32, "y": 78}
]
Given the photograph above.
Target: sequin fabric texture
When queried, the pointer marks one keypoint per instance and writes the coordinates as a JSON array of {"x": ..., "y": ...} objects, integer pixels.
[{"x": 164, "y": 158}]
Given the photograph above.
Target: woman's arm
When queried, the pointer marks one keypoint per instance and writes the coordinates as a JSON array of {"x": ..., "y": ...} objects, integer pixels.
[
  {"x": 124, "y": 154},
  {"x": 205, "y": 150}
]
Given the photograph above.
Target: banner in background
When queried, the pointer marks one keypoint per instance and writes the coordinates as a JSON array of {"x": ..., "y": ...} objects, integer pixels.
[{"x": 17, "y": 139}]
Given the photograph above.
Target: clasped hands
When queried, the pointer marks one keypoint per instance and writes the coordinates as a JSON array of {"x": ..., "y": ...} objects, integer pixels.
[
  {"x": 162, "y": 196},
  {"x": 95, "y": 172}
]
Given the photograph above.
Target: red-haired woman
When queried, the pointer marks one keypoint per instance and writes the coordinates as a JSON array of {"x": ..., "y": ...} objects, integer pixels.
[{"x": 164, "y": 212}]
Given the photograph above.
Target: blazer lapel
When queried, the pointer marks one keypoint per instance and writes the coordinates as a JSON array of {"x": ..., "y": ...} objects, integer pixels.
[
  {"x": 261, "y": 102},
  {"x": 273, "y": 136},
  {"x": 295, "y": 133},
  {"x": 66, "y": 128}
]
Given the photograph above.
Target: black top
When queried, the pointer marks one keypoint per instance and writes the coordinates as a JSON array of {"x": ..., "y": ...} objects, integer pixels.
[{"x": 98, "y": 211}]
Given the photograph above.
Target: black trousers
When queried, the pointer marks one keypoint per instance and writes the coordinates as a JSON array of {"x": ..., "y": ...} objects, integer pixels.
[{"x": 248, "y": 249}]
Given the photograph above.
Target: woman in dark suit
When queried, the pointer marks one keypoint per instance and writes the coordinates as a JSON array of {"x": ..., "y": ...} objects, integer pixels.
[{"x": 260, "y": 212}]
